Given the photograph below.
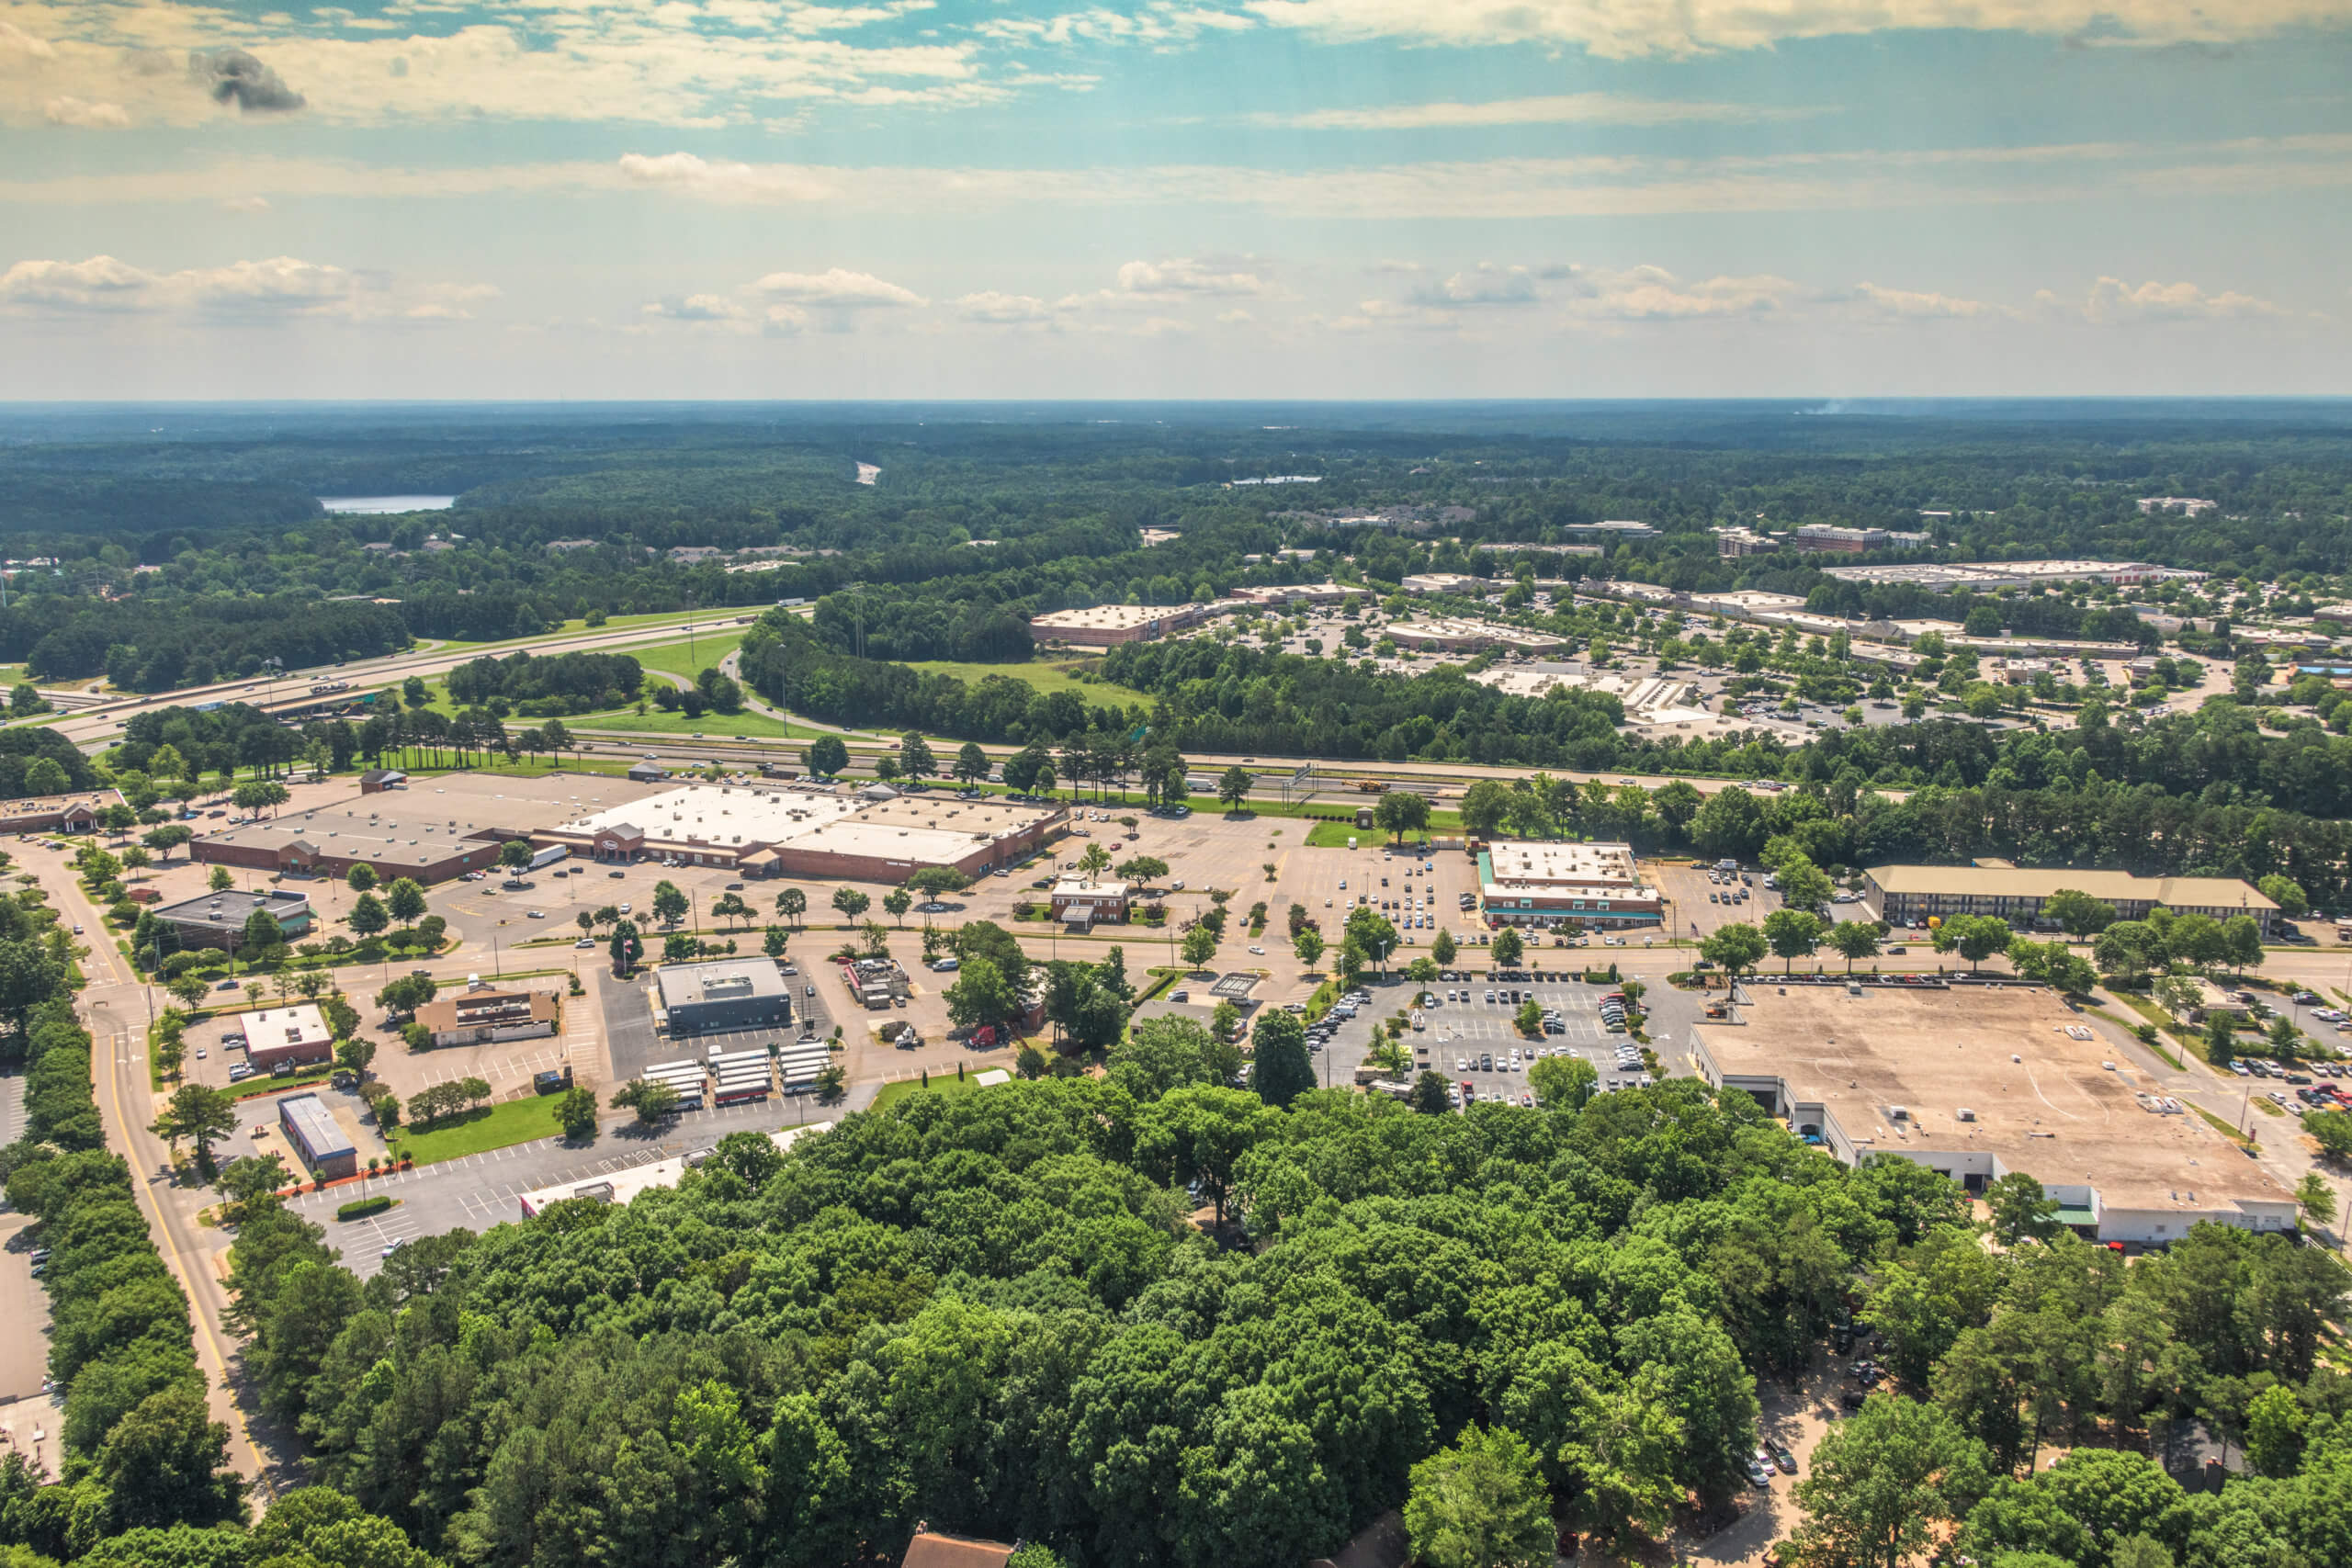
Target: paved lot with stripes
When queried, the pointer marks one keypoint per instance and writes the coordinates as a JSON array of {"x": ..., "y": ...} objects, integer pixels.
[{"x": 477, "y": 1191}]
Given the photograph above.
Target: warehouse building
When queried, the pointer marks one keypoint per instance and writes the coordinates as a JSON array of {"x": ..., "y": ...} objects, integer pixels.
[
  {"x": 429, "y": 831},
  {"x": 317, "y": 1137},
  {"x": 1107, "y": 626},
  {"x": 288, "y": 1037},
  {"x": 218, "y": 920},
  {"x": 1441, "y": 634},
  {"x": 1595, "y": 885},
  {"x": 432, "y": 832},
  {"x": 1977, "y": 1081},
  {"x": 778, "y": 828},
  {"x": 727, "y": 993},
  {"x": 1909, "y": 894}
]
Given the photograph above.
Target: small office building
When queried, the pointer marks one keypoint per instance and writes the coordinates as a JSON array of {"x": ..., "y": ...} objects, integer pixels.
[
  {"x": 730, "y": 993},
  {"x": 290, "y": 1036},
  {"x": 311, "y": 1128},
  {"x": 1077, "y": 901},
  {"x": 218, "y": 920}
]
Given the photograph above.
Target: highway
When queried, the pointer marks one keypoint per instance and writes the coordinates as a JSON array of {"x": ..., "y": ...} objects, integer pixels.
[
  {"x": 95, "y": 727},
  {"x": 96, "y": 724}
]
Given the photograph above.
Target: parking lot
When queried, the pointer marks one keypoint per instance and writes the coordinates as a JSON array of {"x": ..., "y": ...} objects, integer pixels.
[
  {"x": 481, "y": 1191},
  {"x": 1471, "y": 1041}
]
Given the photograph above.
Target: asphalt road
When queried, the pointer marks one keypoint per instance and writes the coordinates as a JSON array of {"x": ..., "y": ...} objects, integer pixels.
[{"x": 98, "y": 723}]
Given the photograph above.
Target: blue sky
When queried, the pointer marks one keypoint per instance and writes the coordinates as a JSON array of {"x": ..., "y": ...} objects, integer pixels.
[{"x": 1236, "y": 198}]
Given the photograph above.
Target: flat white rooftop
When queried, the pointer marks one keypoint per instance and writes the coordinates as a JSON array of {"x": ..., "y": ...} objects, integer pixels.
[
  {"x": 1105, "y": 617},
  {"x": 920, "y": 828},
  {"x": 1536, "y": 864}
]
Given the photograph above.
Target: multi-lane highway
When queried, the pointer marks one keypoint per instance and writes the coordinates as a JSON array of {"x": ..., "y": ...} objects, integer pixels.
[
  {"x": 95, "y": 727},
  {"x": 97, "y": 723}
]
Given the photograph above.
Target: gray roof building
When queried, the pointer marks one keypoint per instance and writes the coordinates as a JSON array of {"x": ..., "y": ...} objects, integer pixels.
[
  {"x": 730, "y": 993},
  {"x": 218, "y": 920}
]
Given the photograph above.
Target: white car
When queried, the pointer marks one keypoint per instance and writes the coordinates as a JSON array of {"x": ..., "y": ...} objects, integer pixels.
[{"x": 1255, "y": 948}]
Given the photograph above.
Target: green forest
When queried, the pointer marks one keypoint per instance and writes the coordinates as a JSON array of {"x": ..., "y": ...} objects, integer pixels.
[{"x": 990, "y": 1311}]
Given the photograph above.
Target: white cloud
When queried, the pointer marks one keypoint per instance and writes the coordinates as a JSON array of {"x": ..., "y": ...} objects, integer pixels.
[
  {"x": 1654, "y": 293},
  {"x": 1627, "y": 28},
  {"x": 84, "y": 115},
  {"x": 1485, "y": 284},
  {"x": 279, "y": 289},
  {"x": 1183, "y": 275},
  {"x": 1161, "y": 24},
  {"x": 835, "y": 288},
  {"x": 706, "y": 310},
  {"x": 1523, "y": 187},
  {"x": 1004, "y": 310},
  {"x": 727, "y": 182},
  {"x": 718, "y": 62},
  {"x": 1569, "y": 109},
  {"x": 1909, "y": 305},
  {"x": 2113, "y": 300}
]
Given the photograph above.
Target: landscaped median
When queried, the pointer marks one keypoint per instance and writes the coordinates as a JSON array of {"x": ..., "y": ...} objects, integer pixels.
[
  {"x": 360, "y": 1208},
  {"x": 474, "y": 1132}
]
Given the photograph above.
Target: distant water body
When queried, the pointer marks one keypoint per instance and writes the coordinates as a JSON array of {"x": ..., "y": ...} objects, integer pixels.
[{"x": 375, "y": 505}]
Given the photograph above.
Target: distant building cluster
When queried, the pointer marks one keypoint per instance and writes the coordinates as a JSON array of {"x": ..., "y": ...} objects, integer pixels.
[{"x": 1943, "y": 577}]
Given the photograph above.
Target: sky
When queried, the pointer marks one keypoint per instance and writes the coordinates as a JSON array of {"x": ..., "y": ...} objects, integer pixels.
[{"x": 1179, "y": 198}]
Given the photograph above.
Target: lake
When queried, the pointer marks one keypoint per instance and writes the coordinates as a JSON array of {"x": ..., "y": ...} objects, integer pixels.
[{"x": 374, "y": 505}]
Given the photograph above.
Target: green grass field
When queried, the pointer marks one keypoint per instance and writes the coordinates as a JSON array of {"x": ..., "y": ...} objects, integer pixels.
[
  {"x": 941, "y": 1083},
  {"x": 1046, "y": 677},
  {"x": 710, "y": 726},
  {"x": 493, "y": 1127},
  {"x": 675, "y": 658}
]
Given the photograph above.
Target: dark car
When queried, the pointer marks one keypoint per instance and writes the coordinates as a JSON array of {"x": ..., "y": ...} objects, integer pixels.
[
  {"x": 1851, "y": 1400},
  {"x": 1782, "y": 1457}
]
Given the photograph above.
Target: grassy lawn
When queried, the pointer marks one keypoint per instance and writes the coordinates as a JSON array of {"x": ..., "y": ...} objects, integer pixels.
[
  {"x": 710, "y": 726},
  {"x": 675, "y": 657},
  {"x": 1045, "y": 676},
  {"x": 941, "y": 1083},
  {"x": 493, "y": 1127}
]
